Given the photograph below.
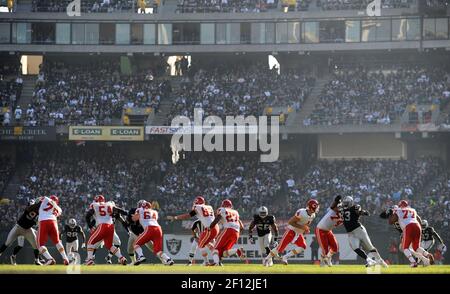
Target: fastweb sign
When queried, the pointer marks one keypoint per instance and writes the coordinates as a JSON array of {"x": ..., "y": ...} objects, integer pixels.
[{"x": 86, "y": 133}]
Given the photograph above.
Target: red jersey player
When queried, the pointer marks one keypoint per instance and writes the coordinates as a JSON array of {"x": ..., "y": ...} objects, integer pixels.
[
  {"x": 49, "y": 211},
  {"x": 103, "y": 212},
  {"x": 410, "y": 222},
  {"x": 232, "y": 226},
  {"x": 324, "y": 233},
  {"x": 297, "y": 226},
  {"x": 148, "y": 218},
  {"x": 205, "y": 214}
]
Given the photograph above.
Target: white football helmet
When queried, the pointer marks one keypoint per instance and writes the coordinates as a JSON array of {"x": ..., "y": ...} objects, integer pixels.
[
  {"x": 424, "y": 223},
  {"x": 348, "y": 201},
  {"x": 263, "y": 211},
  {"x": 72, "y": 223}
]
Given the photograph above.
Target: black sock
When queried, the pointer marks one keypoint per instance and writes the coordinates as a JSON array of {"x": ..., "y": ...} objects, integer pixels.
[
  {"x": 267, "y": 250},
  {"x": 16, "y": 250},
  {"x": 191, "y": 254},
  {"x": 361, "y": 253},
  {"x": 36, "y": 253},
  {"x": 3, "y": 248},
  {"x": 131, "y": 254}
]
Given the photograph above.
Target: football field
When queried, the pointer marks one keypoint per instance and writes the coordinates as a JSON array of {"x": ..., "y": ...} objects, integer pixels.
[{"x": 227, "y": 268}]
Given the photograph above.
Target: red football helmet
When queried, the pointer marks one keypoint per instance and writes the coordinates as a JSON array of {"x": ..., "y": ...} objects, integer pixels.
[
  {"x": 55, "y": 199},
  {"x": 403, "y": 204},
  {"x": 146, "y": 205},
  {"x": 312, "y": 205},
  {"x": 199, "y": 200},
  {"x": 99, "y": 199},
  {"x": 227, "y": 203}
]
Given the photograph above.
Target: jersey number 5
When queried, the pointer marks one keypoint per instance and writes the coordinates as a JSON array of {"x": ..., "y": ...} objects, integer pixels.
[{"x": 102, "y": 210}]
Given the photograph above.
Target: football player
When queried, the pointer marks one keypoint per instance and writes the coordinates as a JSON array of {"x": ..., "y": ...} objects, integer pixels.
[
  {"x": 265, "y": 224},
  {"x": 197, "y": 228},
  {"x": 409, "y": 222},
  {"x": 324, "y": 232},
  {"x": 134, "y": 230},
  {"x": 357, "y": 233},
  {"x": 71, "y": 231},
  {"x": 148, "y": 218},
  {"x": 23, "y": 229},
  {"x": 429, "y": 236},
  {"x": 103, "y": 213},
  {"x": 232, "y": 226},
  {"x": 298, "y": 225},
  {"x": 205, "y": 214},
  {"x": 49, "y": 211}
]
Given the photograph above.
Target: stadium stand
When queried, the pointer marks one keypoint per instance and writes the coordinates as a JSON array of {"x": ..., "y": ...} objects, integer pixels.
[
  {"x": 359, "y": 95},
  {"x": 92, "y": 94},
  {"x": 240, "y": 90}
]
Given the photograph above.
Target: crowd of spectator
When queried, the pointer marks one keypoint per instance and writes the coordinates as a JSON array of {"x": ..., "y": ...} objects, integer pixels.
[
  {"x": 374, "y": 184},
  {"x": 209, "y": 6},
  {"x": 240, "y": 177},
  {"x": 361, "y": 4},
  {"x": 242, "y": 90},
  {"x": 86, "y": 5},
  {"x": 76, "y": 175},
  {"x": 6, "y": 170},
  {"x": 92, "y": 94},
  {"x": 362, "y": 96},
  {"x": 10, "y": 91}
]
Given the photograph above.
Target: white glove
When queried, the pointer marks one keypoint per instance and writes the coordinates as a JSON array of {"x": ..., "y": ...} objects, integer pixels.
[
  {"x": 251, "y": 240},
  {"x": 83, "y": 245},
  {"x": 442, "y": 248}
]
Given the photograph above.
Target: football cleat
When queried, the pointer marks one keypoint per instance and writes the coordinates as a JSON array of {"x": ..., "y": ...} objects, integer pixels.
[
  {"x": 241, "y": 253},
  {"x": 123, "y": 260},
  {"x": 108, "y": 259},
  {"x": 370, "y": 262},
  {"x": 431, "y": 258},
  {"x": 66, "y": 261},
  {"x": 284, "y": 260},
  {"x": 50, "y": 262},
  {"x": 12, "y": 258},
  {"x": 140, "y": 260},
  {"x": 189, "y": 263},
  {"x": 90, "y": 262},
  {"x": 169, "y": 262},
  {"x": 414, "y": 264},
  {"x": 37, "y": 261},
  {"x": 383, "y": 263}
]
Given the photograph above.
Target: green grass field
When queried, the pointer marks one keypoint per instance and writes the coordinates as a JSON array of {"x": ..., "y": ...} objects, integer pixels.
[{"x": 227, "y": 268}]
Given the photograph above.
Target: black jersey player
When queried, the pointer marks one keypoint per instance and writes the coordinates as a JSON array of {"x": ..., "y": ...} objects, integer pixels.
[
  {"x": 265, "y": 224},
  {"x": 197, "y": 228},
  {"x": 23, "y": 229},
  {"x": 429, "y": 237},
  {"x": 357, "y": 233},
  {"x": 71, "y": 231},
  {"x": 134, "y": 230}
]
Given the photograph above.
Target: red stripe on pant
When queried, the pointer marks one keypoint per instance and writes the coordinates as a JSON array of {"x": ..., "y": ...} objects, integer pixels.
[
  {"x": 48, "y": 228},
  {"x": 207, "y": 236},
  {"x": 289, "y": 237},
  {"x": 154, "y": 234},
  {"x": 327, "y": 241},
  {"x": 226, "y": 241},
  {"x": 411, "y": 236},
  {"x": 103, "y": 232}
]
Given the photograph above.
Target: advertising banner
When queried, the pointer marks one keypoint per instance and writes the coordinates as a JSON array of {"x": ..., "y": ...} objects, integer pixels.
[
  {"x": 27, "y": 133},
  {"x": 94, "y": 133},
  {"x": 178, "y": 247}
]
